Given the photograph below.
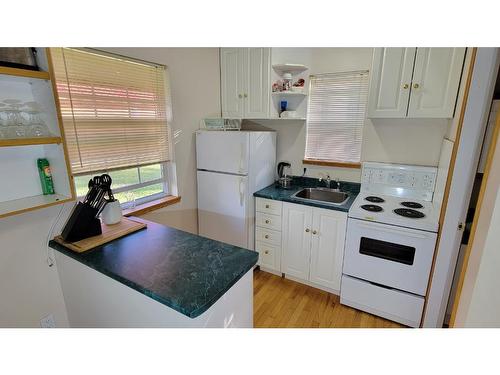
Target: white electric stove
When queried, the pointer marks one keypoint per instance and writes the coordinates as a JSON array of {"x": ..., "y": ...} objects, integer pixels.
[{"x": 391, "y": 234}]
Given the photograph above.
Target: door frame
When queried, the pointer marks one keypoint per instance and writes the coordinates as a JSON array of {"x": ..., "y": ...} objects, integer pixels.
[
  {"x": 470, "y": 132},
  {"x": 470, "y": 244}
]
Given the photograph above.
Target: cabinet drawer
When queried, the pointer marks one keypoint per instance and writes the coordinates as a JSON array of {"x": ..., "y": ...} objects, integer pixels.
[
  {"x": 268, "y": 236},
  {"x": 268, "y": 221},
  {"x": 268, "y": 206},
  {"x": 269, "y": 255},
  {"x": 391, "y": 304}
]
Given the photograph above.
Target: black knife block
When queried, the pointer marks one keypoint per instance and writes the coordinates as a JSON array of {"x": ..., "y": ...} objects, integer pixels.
[{"x": 82, "y": 223}]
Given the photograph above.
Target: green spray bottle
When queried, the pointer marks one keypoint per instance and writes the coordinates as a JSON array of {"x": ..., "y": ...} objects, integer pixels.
[{"x": 45, "y": 176}]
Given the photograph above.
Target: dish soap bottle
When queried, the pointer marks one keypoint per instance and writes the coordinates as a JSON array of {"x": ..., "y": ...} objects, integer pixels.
[{"x": 45, "y": 176}]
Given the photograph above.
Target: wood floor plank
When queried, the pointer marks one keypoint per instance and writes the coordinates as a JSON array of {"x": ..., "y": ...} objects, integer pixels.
[{"x": 283, "y": 303}]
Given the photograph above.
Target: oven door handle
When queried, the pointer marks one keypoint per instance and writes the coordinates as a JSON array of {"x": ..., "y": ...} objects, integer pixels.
[{"x": 400, "y": 230}]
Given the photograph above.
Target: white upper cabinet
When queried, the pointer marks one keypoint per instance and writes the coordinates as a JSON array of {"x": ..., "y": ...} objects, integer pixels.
[
  {"x": 232, "y": 76},
  {"x": 414, "y": 82},
  {"x": 327, "y": 247},
  {"x": 390, "y": 80},
  {"x": 436, "y": 78},
  {"x": 245, "y": 82}
]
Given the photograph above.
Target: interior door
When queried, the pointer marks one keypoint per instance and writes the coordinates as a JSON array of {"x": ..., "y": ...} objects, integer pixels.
[
  {"x": 221, "y": 151},
  {"x": 257, "y": 85},
  {"x": 435, "y": 82},
  {"x": 464, "y": 168},
  {"x": 222, "y": 207},
  {"x": 327, "y": 247},
  {"x": 390, "y": 81},
  {"x": 297, "y": 221},
  {"x": 232, "y": 64}
]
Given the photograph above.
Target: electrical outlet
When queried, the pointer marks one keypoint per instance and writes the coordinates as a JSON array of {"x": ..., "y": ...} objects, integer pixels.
[{"x": 48, "y": 322}]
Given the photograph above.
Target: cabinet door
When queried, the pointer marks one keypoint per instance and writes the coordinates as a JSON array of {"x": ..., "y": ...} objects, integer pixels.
[
  {"x": 327, "y": 247},
  {"x": 297, "y": 220},
  {"x": 257, "y": 85},
  {"x": 390, "y": 81},
  {"x": 435, "y": 82},
  {"x": 232, "y": 86}
]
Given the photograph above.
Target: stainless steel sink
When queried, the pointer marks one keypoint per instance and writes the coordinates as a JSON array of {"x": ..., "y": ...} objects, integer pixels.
[{"x": 322, "y": 195}]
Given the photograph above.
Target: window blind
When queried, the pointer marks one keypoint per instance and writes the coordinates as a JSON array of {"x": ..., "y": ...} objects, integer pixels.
[
  {"x": 114, "y": 110},
  {"x": 335, "y": 116}
]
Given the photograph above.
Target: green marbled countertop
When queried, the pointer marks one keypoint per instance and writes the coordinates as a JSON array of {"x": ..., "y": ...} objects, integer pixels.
[
  {"x": 181, "y": 270},
  {"x": 276, "y": 192}
]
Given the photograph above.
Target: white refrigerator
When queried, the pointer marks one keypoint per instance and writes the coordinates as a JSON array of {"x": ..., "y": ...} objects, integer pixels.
[{"x": 231, "y": 166}]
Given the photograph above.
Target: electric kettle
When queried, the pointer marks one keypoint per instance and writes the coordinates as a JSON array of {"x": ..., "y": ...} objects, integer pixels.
[{"x": 284, "y": 181}]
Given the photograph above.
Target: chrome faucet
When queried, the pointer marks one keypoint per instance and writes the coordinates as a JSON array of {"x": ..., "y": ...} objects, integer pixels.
[{"x": 328, "y": 182}]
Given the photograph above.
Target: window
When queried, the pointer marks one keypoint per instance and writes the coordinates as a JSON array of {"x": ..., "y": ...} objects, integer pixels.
[
  {"x": 335, "y": 117},
  {"x": 114, "y": 113}
]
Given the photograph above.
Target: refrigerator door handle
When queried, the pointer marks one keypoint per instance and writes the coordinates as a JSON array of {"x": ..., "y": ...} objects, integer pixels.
[
  {"x": 242, "y": 191},
  {"x": 242, "y": 151}
]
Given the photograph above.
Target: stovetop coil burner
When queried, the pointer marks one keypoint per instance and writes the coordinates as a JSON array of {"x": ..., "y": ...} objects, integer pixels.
[
  {"x": 408, "y": 212},
  {"x": 371, "y": 207},
  {"x": 412, "y": 205},
  {"x": 374, "y": 199}
]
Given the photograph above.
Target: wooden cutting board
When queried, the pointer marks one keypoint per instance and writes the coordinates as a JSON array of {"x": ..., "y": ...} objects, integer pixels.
[{"x": 109, "y": 233}]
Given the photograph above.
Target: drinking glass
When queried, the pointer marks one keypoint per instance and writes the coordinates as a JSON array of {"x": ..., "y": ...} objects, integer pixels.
[
  {"x": 130, "y": 199},
  {"x": 36, "y": 127}
]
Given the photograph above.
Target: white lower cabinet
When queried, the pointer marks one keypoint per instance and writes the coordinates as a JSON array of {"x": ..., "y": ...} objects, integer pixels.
[
  {"x": 268, "y": 234},
  {"x": 313, "y": 245},
  {"x": 327, "y": 248},
  {"x": 297, "y": 222}
]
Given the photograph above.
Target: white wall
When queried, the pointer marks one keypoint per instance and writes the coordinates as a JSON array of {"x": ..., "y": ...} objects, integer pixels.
[
  {"x": 29, "y": 288},
  {"x": 195, "y": 91},
  {"x": 405, "y": 141}
]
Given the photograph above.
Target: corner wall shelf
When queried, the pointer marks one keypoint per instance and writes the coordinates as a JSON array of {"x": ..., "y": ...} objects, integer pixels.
[
  {"x": 29, "y": 141},
  {"x": 24, "y": 73},
  {"x": 289, "y": 93},
  {"x": 289, "y": 68}
]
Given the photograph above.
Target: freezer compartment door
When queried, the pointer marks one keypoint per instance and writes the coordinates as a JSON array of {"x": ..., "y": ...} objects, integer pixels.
[
  {"x": 222, "y": 207},
  {"x": 219, "y": 151}
]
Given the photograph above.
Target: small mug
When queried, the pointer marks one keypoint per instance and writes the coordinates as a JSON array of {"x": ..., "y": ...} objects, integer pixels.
[{"x": 112, "y": 213}]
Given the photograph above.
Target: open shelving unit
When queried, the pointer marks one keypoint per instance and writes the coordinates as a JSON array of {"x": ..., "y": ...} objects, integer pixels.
[
  {"x": 21, "y": 190},
  {"x": 295, "y": 99},
  {"x": 289, "y": 93},
  {"x": 30, "y": 141},
  {"x": 16, "y": 72},
  {"x": 289, "y": 68}
]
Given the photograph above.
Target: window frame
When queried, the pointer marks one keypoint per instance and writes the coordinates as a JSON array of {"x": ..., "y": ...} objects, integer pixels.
[
  {"x": 168, "y": 178},
  {"x": 336, "y": 162},
  {"x": 165, "y": 180}
]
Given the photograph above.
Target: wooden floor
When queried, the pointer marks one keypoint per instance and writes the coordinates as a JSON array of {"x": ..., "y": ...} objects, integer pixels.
[{"x": 282, "y": 303}]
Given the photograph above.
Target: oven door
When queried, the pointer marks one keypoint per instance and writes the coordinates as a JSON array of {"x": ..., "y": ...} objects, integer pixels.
[{"x": 392, "y": 256}]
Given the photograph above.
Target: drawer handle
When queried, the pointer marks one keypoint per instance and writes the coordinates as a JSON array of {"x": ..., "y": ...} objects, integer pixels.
[
  {"x": 267, "y": 206},
  {"x": 268, "y": 221},
  {"x": 266, "y": 252},
  {"x": 307, "y": 230},
  {"x": 266, "y": 236},
  {"x": 314, "y": 232}
]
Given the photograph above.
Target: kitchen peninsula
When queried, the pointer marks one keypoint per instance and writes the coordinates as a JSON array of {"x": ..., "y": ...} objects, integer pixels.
[{"x": 158, "y": 277}]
